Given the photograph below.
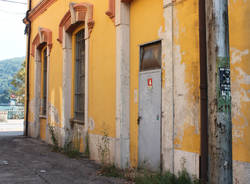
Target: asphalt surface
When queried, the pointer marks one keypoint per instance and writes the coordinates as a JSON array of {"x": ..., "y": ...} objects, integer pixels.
[{"x": 30, "y": 161}]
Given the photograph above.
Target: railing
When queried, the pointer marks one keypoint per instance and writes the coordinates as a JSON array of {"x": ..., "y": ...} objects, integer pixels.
[
  {"x": 16, "y": 114},
  {"x": 11, "y": 112}
]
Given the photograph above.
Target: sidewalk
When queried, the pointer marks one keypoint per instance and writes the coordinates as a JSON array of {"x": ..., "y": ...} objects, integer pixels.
[
  {"x": 30, "y": 161},
  {"x": 12, "y": 128}
]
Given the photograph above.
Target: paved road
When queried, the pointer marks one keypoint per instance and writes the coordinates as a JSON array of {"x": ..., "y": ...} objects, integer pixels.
[
  {"x": 30, "y": 161},
  {"x": 11, "y": 128}
]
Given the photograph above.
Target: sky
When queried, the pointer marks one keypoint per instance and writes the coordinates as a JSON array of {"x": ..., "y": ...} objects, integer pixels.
[{"x": 12, "y": 38}]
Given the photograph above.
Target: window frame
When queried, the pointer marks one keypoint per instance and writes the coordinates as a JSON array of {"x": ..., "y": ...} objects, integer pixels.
[
  {"x": 77, "y": 75},
  {"x": 142, "y": 46},
  {"x": 44, "y": 81}
]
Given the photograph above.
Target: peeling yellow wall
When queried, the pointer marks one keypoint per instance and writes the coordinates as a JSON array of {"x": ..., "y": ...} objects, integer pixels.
[
  {"x": 101, "y": 65},
  {"x": 239, "y": 33},
  {"x": 146, "y": 20},
  {"x": 187, "y": 75}
]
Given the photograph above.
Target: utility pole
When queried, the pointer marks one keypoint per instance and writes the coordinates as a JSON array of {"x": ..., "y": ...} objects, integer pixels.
[{"x": 219, "y": 93}]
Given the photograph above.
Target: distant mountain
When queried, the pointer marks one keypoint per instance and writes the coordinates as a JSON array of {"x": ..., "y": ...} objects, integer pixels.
[{"x": 8, "y": 68}]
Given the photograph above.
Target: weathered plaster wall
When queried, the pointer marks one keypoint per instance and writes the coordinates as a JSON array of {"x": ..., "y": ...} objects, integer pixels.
[
  {"x": 147, "y": 24},
  {"x": 186, "y": 72},
  {"x": 146, "y": 19},
  {"x": 102, "y": 149},
  {"x": 101, "y": 66},
  {"x": 239, "y": 31},
  {"x": 186, "y": 85}
]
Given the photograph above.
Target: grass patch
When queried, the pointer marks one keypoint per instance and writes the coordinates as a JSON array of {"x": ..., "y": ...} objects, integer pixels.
[
  {"x": 166, "y": 178},
  {"x": 56, "y": 147},
  {"x": 145, "y": 177},
  {"x": 71, "y": 151},
  {"x": 111, "y": 171}
]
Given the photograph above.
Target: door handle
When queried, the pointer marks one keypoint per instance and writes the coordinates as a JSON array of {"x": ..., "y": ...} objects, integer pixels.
[{"x": 138, "y": 120}]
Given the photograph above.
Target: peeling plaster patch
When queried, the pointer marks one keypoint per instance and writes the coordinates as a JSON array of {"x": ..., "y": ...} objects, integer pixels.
[
  {"x": 91, "y": 124},
  {"x": 94, "y": 141},
  {"x": 185, "y": 115},
  {"x": 53, "y": 113},
  {"x": 239, "y": 94},
  {"x": 241, "y": 172},
  {"x": 78, "y": 137},
  {"x": 237, "y": 0},
  {"x": 186, "y": 160},
  {"x": 180, "y": 92},
  {"x": 237, "y": 55},
  {"x": 161, "y": 34}
]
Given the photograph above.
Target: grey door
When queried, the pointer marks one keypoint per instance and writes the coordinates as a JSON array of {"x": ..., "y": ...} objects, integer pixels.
[{"x": 150, "y": 119}]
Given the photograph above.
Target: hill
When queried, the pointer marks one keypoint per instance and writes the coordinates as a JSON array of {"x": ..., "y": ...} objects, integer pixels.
[{"x": 8, "y": 68}]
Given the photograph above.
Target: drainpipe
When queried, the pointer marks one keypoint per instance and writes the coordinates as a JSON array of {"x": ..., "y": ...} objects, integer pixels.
[
  {"x": 203, "y": 93},
  {"x": 27, "y": 30},
  {"x": 219, "y": 93}
]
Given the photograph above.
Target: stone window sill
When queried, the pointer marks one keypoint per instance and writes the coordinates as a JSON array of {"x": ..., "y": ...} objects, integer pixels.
[
  {"x": 42, "y": 116},
  {"x": 75, "y": 121}
]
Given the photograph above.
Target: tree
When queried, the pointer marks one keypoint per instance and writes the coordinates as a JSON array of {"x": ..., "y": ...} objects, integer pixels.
[
  {"x": 18, "y": 82},
  {"x": 4, "y": 97}
]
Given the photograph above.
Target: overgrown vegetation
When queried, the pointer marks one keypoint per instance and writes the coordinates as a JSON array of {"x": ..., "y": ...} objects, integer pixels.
[
  {"x": 86, "y": 153},
  {"x": 145, "y": 177},
  {"x": 111, "y": 171},
  {"x": 71, "y": 148},
  {"x": 56, "y": 147},
  {"x": 166, "y": 178}
]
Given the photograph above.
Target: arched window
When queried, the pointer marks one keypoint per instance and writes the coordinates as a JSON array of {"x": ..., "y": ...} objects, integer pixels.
[
  {"x": 40, "y": 50},
  {"x": 74, "y": 31}
]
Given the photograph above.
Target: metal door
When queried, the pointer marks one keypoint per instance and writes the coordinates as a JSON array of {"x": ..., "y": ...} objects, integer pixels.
[{"x": 149, "y": 119}]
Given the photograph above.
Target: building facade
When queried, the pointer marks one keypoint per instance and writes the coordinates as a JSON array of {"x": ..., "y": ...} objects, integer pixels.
[{"x": 126, "y": 75}]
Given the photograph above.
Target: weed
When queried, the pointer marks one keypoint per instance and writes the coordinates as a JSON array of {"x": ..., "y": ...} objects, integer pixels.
[
  {"x": 111, "y": 171},
  {"x": 56, "y": 147},
  {"x": 103, "y": 148},
  {"x": 72, "y": 146},
  {"x": 86, "y": 153},
  {"x": 71, "y": 150}
]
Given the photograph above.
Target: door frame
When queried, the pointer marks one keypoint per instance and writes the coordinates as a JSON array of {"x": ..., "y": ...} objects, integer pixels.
[{"x": 138, "y": 107}]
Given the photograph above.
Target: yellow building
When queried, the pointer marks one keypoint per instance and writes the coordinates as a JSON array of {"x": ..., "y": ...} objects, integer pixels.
[{"x": 123, "y": 76}]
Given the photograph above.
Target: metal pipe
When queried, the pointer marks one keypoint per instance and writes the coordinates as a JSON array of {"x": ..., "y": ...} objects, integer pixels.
[
  {"x": 28, "y": 28},
  {"x": 219, "y": 93},
  {"x": 203, "y": 93}
]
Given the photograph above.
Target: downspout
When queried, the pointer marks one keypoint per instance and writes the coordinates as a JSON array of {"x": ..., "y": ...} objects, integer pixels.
[
  {"x": 203, "y": 94},
  {"x": 27, "y": 30}
]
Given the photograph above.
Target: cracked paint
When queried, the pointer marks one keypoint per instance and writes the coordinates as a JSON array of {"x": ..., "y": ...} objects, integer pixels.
[
  {"x": 186, "y": 80},
  {"x": 239, "y": 31}
]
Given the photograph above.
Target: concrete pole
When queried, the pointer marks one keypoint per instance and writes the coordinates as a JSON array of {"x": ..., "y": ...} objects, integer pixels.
[{"x": 219, "y": 95}]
